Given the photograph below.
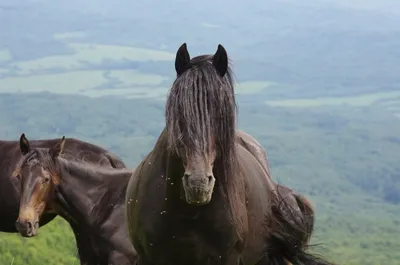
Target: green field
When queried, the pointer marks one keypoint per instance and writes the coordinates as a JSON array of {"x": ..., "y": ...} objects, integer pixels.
[
  {"x": 90, "y": 54},
  {"x": 82, "y": 82},
  {"x": 320, "y": 155},
  {"x": 125, "y": 83},
  {"x": 69, "y": 73}
]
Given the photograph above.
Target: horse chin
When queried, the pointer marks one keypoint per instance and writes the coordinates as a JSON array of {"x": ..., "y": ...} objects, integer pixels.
[{"x": 198, "y": 199}]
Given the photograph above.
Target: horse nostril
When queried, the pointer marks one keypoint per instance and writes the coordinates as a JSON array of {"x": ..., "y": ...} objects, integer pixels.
[
  {"x": 186, "y": 177},
  {"x": 29, "y": 225},
  {"x": 210, "y": 178}
]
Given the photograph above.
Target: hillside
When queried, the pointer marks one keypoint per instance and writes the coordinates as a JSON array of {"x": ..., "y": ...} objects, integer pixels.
[
  {"x": 317, "y": 85},
  {"x": 339, "y": 157}
]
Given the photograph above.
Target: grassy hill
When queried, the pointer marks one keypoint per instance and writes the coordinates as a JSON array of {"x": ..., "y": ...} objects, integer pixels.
[
  {"x": 342, "y": 158},
  {"x": 317, "y": 85}
]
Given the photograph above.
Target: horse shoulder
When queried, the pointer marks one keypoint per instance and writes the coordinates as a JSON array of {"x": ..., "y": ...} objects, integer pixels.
[{"x": 254, "y": 147}]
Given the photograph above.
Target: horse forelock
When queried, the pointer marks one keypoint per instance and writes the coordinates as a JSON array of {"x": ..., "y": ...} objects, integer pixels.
[
  {"x": 201, "y": 116},
  {"x": 201, "y": 110},
  {"x": 43, "y": 157}
]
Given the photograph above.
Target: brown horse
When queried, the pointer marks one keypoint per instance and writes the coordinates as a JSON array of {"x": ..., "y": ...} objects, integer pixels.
[
  {"x": 89, "y": 197},
  {"x": 200, "y": 196},
  {"x": 11, "y": 154},
  {"x": 293, "y": 205}
]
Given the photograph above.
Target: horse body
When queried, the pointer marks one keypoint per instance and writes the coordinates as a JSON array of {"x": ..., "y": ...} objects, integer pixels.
[
  {"x": 75, "y": 180},
  {"x": 204, "y": 195},
  {"x": 10, "y": 155},
  {"x": 92, "y": 201},
  {"x": 303, "y": 214},
  {"x": 200, "y": 218},
  {"x": 168, "y": 231}
]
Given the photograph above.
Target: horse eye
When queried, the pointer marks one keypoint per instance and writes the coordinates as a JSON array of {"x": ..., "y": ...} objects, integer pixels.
[{"x": 46, "y": 179}]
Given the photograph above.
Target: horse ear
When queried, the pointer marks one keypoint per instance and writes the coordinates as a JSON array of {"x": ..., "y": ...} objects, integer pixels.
[
  {"x": 56, "y": 150},
  {"x": 24, "y": 144},
  {"x": 220, "y": 60},
  {"x": 182, "y": 60}
]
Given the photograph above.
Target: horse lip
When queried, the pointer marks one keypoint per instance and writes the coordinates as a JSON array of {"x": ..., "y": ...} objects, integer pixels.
[
  {"x": 24, "y": 233},
  {"x": 197, "y": 200},
  {"x": 198, "y": 203}
]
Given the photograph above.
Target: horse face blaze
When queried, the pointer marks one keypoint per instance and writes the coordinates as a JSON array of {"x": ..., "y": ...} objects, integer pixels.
[{"x": 35, "y": 188}]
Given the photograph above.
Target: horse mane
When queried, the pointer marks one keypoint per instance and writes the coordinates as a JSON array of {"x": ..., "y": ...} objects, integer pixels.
[
  {"x": 201, "y": 105},
  {"x": 201, "y": 116},
  {"x": 113, "y": 189},
  {"x": 87, "y": 170},
  {"x": 41, "y": 154}
]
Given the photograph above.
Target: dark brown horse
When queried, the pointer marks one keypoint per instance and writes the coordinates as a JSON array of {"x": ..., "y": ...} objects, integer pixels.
[
  {"x": 11, "y": 154},
  {"x": 200, "y": 196},
  {"x": 88, "y": 196},
  {"x": 292, "y": 205}
]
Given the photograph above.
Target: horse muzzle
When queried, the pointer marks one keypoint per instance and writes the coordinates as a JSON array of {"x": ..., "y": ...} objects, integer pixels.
[{"x": 198, "y": 189}]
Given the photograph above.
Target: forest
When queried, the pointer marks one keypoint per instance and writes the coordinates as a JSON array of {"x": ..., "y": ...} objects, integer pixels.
[{"x": 317, "y": 85}]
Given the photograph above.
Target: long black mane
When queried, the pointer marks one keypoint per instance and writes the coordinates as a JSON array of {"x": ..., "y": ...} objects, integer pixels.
[
  {"x": 201, "y": 108},
  {"x": 201, "y": 117}
]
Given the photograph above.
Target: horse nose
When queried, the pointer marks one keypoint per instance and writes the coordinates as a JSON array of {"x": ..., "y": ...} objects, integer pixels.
[
  {"x": 195, "y": 180},
  {"x": 186, "y": 176},
  {"x": 210, "y": 178},
  {"x": 28, "y": 226}
]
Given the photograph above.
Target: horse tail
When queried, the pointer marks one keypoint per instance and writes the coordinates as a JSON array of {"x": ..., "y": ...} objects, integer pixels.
[
  {"x": 115, "y": 161},
  {"x": 308, "y": 216},
  {"x": 288, "y": 234}
]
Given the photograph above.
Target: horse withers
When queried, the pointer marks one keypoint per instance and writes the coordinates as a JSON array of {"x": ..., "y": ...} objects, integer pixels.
[
  {"x": 201, "y": 197},
  {"x": 89, "y": 196}
]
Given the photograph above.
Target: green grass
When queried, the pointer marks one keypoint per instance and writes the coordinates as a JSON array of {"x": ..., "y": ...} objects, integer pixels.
[
  {"x": 57, "y": 234},
  {"x": 360, "y": 100},
  {"x": 91, "y": 53}
]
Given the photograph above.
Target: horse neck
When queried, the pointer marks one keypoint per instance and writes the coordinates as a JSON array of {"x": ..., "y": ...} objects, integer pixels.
[{"x": 86, "y": 196}]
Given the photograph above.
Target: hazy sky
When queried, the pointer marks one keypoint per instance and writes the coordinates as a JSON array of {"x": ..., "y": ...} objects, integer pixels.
[{"x": 377, "y": 5}]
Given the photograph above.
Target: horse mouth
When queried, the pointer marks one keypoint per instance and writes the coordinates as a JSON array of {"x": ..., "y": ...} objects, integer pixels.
[
  {"x": 28, "y": 234},
  {"x": 28, "y": 231},
  {"x": 199, "y": 203},
  {"x": 197, "y": 197}
]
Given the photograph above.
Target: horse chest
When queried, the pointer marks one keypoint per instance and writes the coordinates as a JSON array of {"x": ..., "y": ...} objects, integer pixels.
[{"x": 196, "y": 240}]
